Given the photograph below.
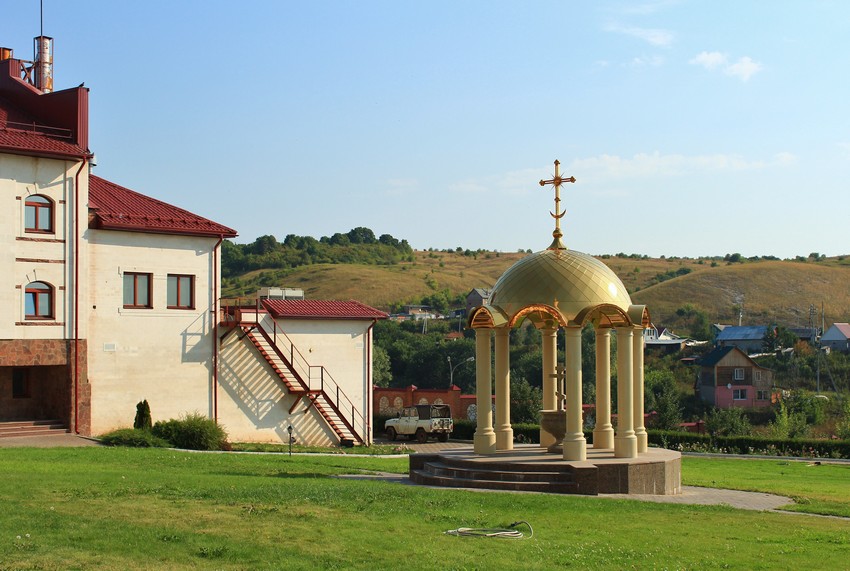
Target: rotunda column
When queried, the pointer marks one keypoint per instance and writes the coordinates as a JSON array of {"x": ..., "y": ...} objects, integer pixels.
[
  {"x": 603, "y": 432},
  {"x": 484, "y": 440},
  {"x": 637, "y": 373},
  {"x": 575, "y": 446},
  {"x": 504, "y": 432},
  {"x": 550, "y": 381},
  {"x": 625, "y": 441}
]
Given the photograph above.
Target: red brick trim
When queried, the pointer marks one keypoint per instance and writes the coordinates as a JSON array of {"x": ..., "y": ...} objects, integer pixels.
[
  {"x": 48, "y": 240},
  {"x": 39, "y": 261},
  {"x": 41, "y": 323}
]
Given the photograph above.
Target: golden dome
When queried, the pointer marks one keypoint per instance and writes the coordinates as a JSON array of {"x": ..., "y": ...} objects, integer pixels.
[{"x": 566, "y": 280}]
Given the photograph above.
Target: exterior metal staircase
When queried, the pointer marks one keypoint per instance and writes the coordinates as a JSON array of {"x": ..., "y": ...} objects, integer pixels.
[
  {"x": 275, "y": 360},
  {"x": 319, "y": 389}
]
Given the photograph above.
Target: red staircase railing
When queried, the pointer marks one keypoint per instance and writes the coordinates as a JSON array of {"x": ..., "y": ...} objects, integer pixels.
[{"x": 313, "y": 379}]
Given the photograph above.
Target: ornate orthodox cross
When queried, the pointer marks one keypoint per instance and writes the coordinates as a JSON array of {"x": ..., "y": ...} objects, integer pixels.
[{"x": 556, "y": 181}]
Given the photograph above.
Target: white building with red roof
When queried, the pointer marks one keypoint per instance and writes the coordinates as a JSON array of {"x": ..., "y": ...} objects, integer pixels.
[
  {"x": 299, "y": 364},
  {"x": 112, "y": 297}
]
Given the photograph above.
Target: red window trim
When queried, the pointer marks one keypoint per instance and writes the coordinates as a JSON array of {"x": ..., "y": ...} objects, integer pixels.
[
  {"x": 50, "y": 316},
  {"x": 191, "y": 291},
  {"x": 39, "y": 207},
  {"x": 135, "y": 275}
]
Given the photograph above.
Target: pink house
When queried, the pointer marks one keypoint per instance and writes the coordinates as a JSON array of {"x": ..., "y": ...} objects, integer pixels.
[{"x": 730, "y": 378}]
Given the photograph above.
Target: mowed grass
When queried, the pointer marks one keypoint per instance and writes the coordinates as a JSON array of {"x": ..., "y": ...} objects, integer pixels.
[
  {"x": 113, "y": 508},
  {"x": 818, "y": 488}
]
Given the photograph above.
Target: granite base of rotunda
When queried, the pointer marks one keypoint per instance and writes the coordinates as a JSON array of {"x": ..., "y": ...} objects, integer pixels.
[{"x": 533, "y": 469}]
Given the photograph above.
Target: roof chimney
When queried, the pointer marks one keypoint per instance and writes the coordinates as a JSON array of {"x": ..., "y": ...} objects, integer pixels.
[
  {"x": 43, "y": 63},
  {"x": 5, "y": 53}
]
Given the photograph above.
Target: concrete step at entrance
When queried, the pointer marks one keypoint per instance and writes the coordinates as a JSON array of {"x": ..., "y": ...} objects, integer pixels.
[{"x": 16, "y": 428}]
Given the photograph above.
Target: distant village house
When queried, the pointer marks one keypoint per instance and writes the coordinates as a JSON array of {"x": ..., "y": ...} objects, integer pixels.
[{"x": 729, "y": 378}]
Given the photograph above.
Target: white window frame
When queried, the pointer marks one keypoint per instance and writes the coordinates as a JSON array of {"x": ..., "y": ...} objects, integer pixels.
[
  {"x": 739, "y": 374},
  {"x": 739, "y": 394}
]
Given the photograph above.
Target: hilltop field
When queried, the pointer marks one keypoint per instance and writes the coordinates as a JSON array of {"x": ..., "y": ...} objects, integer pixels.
[{"x": 771, "y": 290}]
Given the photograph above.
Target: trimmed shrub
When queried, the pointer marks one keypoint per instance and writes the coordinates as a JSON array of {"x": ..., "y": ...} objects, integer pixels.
[
  {"x": 807, "y": 448},
  {"x": 463, "y": 429},
  {"x": 378, "y": 421},
  {"x": 134, "y": 438},
  {"x": 192, "y": 432},
  {"x": 525, "y": 433},
  {"x": 143, "y": 416}
]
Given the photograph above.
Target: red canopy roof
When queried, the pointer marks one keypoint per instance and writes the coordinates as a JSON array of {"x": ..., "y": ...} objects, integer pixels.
[
  {"x": 321, "y": 309},
  {"x": 113, "y": 207},
  {"x": 53, "y": 125}
]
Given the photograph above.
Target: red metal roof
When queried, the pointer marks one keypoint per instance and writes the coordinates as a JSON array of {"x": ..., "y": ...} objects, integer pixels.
[
  {"x": 53, "y": 125},
  {"x": 20, "y": 142},
  {"x": 321, "y": 309},
  {"x": 21, "y": 133},
  {"x": 113, "y": 207}
]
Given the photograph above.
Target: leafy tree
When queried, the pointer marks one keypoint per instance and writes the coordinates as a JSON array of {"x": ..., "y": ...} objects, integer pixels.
[
  {"x": 264, "y": 245},
  {"x": 388, "y": 240},
  {"x": 340, "y": 240},
  {"x": 727, "y": 422},
  {"x": 381, "y": 373},
  {"x": 812, "y": 409},
  {"x": 526, "y": 401},
  {"x": 778, "y": 337},
  {"x": 361, "y": 235},
  {"x": 527, "y": 364},
  {"x": 695, "y": 320},
  {"x": 662, "y": 396},
  {"x": 788, "y": 424}
]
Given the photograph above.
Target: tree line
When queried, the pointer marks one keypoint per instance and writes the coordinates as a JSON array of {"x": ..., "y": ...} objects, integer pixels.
[
  {"x": 358, "y": 246},
  {"x": 407, "y": 353}
]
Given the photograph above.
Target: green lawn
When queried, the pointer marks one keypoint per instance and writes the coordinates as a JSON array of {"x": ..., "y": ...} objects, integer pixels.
[
  {"x": 817, "y": 488},
  {"x": 114, "y": 508}
]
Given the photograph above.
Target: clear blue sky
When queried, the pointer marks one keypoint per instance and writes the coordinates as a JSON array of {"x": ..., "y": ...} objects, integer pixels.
[{"x": 693, "y": 127}]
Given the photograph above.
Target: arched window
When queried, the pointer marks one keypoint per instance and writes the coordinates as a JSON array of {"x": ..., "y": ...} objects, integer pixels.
[
  {"x": 38, "y": 303},
  {"x": 38, "y": 214}
]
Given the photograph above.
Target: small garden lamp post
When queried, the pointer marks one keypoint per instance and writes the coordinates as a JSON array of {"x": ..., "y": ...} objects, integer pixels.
[
  {"x": 452, "y": 369},
  {"x": 289, "y": 430}
]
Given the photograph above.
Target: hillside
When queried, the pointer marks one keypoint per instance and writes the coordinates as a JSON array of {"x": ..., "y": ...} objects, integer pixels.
[{"x": 771, "y": 291}]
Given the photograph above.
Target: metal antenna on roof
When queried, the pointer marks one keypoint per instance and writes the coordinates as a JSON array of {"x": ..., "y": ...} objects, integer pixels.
[{"x": 42, "y": 67}]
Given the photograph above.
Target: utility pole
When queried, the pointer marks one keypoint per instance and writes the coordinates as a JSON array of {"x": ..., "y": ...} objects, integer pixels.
[{"x": 812, "y": 313}]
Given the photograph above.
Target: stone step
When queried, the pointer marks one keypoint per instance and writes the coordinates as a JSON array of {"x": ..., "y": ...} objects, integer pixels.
[
  {"x": 426, "y": 478},
  {"x": 481, "y": 473},
  {"x": 494, "y": 465},
  {"x": 12, "y": 429}
]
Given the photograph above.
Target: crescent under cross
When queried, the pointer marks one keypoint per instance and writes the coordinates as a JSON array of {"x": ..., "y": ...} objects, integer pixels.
[{"x": 557, "y": 181}]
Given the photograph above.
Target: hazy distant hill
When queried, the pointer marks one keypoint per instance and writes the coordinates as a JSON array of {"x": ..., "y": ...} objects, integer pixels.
[{"x": 771, "y": 291}]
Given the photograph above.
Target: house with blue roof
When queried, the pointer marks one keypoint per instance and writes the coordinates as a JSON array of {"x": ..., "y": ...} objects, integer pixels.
[{"x": 747, "y": 338}]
